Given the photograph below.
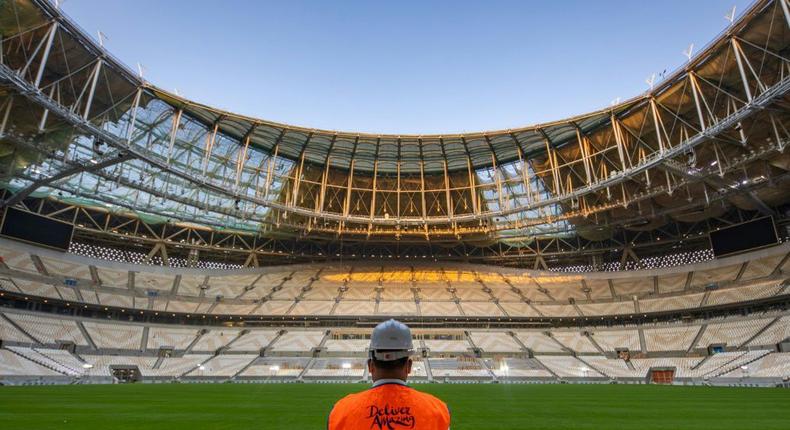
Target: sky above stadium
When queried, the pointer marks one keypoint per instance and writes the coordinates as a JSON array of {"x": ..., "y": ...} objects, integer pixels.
[{"x": 404, "y": 66}]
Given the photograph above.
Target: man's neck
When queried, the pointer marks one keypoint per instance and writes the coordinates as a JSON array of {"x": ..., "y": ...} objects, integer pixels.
[{"x": 384, "y": 381}]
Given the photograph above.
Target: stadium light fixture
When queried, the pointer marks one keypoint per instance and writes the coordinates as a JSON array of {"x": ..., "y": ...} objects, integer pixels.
[
  {"x": 87, "y": 366},
  {"x": 346, "y": 365},
  {"x": 274, "y": 368},
  {"x": 201, "y": 367}
]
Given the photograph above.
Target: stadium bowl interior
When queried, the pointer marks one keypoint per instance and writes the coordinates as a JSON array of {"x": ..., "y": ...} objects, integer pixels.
[{"x": 149, "y": 238}]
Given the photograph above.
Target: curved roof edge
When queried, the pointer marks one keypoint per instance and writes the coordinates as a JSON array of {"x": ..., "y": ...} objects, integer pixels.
[{"x": 56, "y": 13}]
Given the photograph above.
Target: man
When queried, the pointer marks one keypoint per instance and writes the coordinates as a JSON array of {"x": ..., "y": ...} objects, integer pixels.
[{"x": 390, "y": 404}]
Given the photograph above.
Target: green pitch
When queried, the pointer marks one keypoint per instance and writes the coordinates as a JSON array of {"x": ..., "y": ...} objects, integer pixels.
[{"x": 305, "y": 406}]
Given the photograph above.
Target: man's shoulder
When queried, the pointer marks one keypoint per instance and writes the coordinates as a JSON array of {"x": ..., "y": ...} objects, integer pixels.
[
  {"x": 350, "y": 397},
  {"x": 430, "y": 398}
]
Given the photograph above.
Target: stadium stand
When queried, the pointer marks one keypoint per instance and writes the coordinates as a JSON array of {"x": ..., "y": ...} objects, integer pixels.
[
  {"x": 508, "y": 368},
  {"x": 677, "y": 338},
  {"x": 569, "y": 367},
  {"x": 228, "y": 354}
]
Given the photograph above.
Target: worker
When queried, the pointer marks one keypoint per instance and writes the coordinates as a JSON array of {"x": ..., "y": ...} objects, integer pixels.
[{"x": 390, "y": 404}]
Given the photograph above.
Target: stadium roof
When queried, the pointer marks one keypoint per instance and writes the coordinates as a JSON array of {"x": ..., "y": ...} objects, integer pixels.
[{"x": 457, "y": 151}]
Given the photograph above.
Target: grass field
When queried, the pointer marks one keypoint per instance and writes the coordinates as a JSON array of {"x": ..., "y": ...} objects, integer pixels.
[{"x": 305, "y": 406}]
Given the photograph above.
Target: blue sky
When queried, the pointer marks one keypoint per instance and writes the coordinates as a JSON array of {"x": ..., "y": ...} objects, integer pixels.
[{"x": 404, "y": 66}]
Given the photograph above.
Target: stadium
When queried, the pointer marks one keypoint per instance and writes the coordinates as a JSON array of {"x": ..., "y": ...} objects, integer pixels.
[{"x": 168, "y": 264}]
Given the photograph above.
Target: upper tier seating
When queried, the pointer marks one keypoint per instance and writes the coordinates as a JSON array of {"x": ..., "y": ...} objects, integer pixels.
[
  {"x": 744, "y": 293},
  {"x": 225, "y": 365},
  {"x": 615, "y": 368},
  {"x": 733, "y": 333},
  {"x": 337, "y": 367},
  {"x": 676, "y": 338},
  {"x": 176, "y": 338},
  {"x": 519, "y": 368},
  {"x": 276, "y": 367},
  {"x": 118, "y": 336},
  {"x": 49, "y": 330},
  {"x": 313, "y": 289},
  {"x": 457, "y": 367},
  {"x": 177, "y": 366},
  {"x": 347, "y": 345},
  {"x": 494, "y": 341},
  {"x": 299, "y": 340},
  {"x": 538, "y": 342},
  {"x": 575, "y": 341},
  {"x": 610, "y": 340},
  {"x": 445, "y": 346},
  {"x": 566, "y": 366},
  {"x": 254, "y": 340},
  {"x": 9, "y": 332},
  {"x": 774, "y": 334},
  {"x": 216, "y": 338}
]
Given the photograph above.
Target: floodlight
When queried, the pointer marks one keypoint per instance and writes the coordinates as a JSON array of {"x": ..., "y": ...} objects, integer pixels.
[
  {"x": 274, "y": 368},
  {"x": 346, "y": 365},
  {"x": 201, "y": 367},
  {"x": 87, "y": 366}
]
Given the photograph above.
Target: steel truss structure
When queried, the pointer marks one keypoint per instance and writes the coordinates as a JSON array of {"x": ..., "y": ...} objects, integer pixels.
[{"x": 83, "y": 137}]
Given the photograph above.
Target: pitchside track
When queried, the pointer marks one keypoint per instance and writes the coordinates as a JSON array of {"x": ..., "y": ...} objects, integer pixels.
[{"x": 305, "y": 406}]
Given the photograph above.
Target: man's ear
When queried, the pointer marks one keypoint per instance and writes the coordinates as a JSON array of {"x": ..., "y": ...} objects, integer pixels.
[{"x": 408, "y": 367}]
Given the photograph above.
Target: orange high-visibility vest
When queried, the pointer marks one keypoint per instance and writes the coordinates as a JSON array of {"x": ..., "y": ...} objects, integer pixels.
[{"x": 389, "y": 407}]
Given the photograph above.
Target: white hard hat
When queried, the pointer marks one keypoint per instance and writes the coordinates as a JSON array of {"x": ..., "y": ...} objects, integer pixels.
[{"x": 391, "y": 340}]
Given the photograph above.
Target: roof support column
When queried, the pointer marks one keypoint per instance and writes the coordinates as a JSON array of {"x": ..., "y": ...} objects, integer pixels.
[
  {"x": 422, "y": 190},
  {"x": 448, "y": 197},
  {"x": 297, "y": 180},
  {"x": 695, "y": 91},
  {"x": 472, "y": 186},
  {"x": 173, "y": 132},
  {"x": 45, "y": 41},
  {"x": 324, "y": 179},
  {"x": 373, "y": 196},
  {"x": 745, "y": 59},
  {"x": 397, "y": 191},
  {"x": 657, "y": 124},
  {"x": 779, "y": 140},
  {"x": 45, "y": 55},
  {"x": 349, "y": 188},
  {"x": 92, "y": 91},
  {"x": 272, "y": 162},
  {"x": 242, "y": 157},
  {"x": 550, "y": 154},
  {"x": 741, "y": 70},
  {"x": 618, "y": 138},
  {"x": 498, "y": 182},
  {"x": 44, "y": 115},
  {"x": 786, "y": 10},
  {"x": 524, "y": 174},
  {"x": 8, "y": 105},
  {"x": 585, "y": 156},
  {"x": 210, "y": 138},
  {"x": 133, "y": 119}
]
